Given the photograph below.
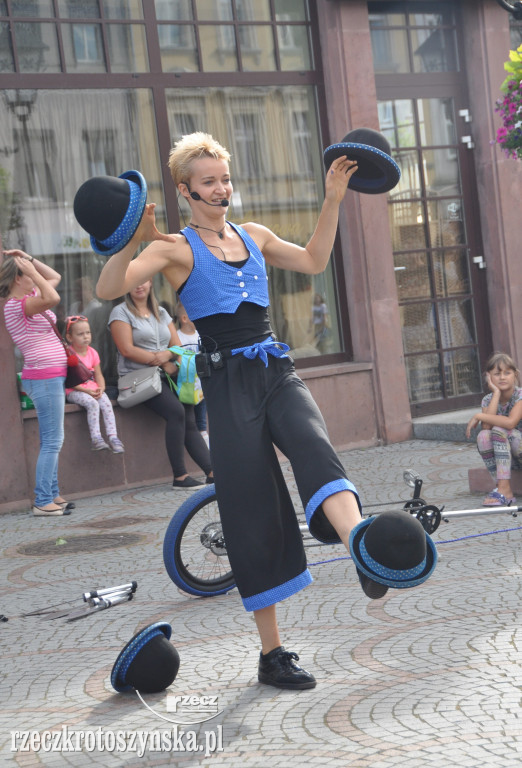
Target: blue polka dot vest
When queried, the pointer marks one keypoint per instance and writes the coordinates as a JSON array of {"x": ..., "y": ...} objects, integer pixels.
[{"x": 213, "y": 286}]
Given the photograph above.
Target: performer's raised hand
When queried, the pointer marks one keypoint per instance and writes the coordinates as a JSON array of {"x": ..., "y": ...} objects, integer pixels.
[
  {"x": 338, "y": 176},
  {"x": 147, "y": 230}
]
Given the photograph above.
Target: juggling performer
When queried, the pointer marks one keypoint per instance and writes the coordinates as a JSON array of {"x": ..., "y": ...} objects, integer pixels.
[{"x": 254, "y": 398}]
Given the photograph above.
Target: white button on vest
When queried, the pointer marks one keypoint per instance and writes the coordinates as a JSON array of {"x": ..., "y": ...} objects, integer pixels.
[
  {"x": 255, "y": 277},
  {"x": 241, "y": 285},
  {"x": 239, "y": 273},
  {"x": 244, "y": 294}
]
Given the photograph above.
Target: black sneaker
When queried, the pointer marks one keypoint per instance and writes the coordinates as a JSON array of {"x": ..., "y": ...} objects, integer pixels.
[
  {"x": 188, "y": 483},
  {"x": 278, "y": 668},
  {"x": 372, "y": 589}
]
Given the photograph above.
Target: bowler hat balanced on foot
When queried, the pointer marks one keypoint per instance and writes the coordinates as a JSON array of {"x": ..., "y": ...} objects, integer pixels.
[
  {"x": 377, "y": 171},
  {"x": 391, "y": 550},
  {"x": 110, "y": 208}
]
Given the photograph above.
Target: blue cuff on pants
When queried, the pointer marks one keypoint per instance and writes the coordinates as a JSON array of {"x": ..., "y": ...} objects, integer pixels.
[
  {"x": 276, "y": 594},
  {"x": 322, "y": 529}
]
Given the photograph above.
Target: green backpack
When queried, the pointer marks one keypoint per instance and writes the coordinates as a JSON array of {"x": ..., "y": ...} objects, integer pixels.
[{"x": 187, "y": 384}]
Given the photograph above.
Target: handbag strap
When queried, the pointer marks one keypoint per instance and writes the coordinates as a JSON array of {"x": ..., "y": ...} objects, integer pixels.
[{"x": 55, "y": 329}]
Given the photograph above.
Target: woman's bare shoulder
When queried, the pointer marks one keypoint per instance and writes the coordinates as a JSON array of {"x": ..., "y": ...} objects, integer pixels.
[{"x": 258, "y": 232}]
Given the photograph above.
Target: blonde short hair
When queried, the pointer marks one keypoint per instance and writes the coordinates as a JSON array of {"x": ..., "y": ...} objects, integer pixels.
[{"x": 192, "y": 147}]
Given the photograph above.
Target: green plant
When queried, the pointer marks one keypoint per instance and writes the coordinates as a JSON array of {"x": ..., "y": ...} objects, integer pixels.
[{"x": 509, "y": 135}]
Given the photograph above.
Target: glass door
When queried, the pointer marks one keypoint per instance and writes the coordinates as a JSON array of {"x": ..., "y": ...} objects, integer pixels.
[
  {"x": 432, "y": 244},
  {"x": 440, "y": 274}
]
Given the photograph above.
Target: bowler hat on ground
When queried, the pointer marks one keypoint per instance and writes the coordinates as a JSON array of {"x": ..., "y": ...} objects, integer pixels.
[
  {"x": 393, "y": 549},
  {"x": 377, "y": 171},
  {"x": 149, "y": 663},
  {"x": 110, "y": 208}
]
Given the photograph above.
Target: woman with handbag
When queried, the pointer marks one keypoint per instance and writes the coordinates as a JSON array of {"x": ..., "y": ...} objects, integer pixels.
[
  {"x": 30, "y": 288},
  {"x": 142, "y": 332}
]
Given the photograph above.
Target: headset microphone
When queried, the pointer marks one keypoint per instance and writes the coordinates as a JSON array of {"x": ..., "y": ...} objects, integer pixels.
[{"x": 197, "y": 196}]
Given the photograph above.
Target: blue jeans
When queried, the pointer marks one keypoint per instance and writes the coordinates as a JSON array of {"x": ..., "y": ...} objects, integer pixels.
[
  {"x": 200, "y": 412},
  {"x": 48, "y": 396}
]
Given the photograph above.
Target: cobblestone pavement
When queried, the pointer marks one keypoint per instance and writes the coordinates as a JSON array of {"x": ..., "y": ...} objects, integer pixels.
[{"x": 425, "y": 677}]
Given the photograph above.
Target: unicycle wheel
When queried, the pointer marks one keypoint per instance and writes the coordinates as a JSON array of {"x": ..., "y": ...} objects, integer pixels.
[{"x": 194, "y": 550}]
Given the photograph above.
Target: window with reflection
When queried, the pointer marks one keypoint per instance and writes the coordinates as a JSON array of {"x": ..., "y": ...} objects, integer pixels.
[
  {"x": 83, "y": 48},
  {"x": 413, "y": 36},
  {"x": 6, "y": 48},
  {"x": 127, "y": 48},
  {"x": 244, "y": 35},
  {"x": 92, "y": 36},
  {"x": 57, "y": 140},
  {"x": 37, "y": 46},
  {"x": 34, "y": 162},
  {"x": 100, "y": 148},
  {"x": 42, "y": 8},
  {"x": 87, "y": 9}
]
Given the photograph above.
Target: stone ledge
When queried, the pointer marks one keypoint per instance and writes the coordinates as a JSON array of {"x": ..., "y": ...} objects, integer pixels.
[{"x": 480, "y": 481}]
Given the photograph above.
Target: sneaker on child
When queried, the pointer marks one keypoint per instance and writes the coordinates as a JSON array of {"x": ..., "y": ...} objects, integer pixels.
[
  {"x": 99, "y": 445},
  {"x": 116, "y": 445}
]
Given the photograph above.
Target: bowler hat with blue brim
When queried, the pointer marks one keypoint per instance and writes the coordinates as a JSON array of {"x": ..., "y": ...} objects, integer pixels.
[
  {"x": 149, "y": 663},
  {"x": 393, "y": 549},
  {"x": 110, "y": 208},
  {"x": 377, "y": 171}
]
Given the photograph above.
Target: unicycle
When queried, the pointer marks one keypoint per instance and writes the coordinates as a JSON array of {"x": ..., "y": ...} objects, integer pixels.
[{"x": 194, "y": 550}]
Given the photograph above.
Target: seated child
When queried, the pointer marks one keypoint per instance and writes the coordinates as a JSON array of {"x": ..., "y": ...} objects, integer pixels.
[
  {"x": 500, "y": 440},
  {"x": 91, "y": 394},
  {"x": 188, "y": 337}
]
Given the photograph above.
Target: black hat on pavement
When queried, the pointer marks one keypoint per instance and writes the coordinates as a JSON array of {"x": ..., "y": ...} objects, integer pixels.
[{"x": 149, "y": 663}]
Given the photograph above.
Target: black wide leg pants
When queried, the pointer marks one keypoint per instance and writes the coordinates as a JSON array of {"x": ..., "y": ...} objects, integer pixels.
[{"x": 251, "y": 408}]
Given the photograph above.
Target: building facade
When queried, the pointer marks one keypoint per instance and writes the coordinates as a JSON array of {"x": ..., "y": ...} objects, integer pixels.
[{"x": 423, "y": 283}]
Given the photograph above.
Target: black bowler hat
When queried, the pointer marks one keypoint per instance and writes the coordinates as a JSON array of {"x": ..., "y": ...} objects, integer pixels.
[
  {"x": 110, "y": 208},
  {"x": 149, "y": 662},
  {"x": 394, "y": 549},
  {"x": 377, "y": 172}
]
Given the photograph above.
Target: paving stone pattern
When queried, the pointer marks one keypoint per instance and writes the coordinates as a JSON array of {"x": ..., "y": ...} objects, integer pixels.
[{"x": 428, "y": 676}]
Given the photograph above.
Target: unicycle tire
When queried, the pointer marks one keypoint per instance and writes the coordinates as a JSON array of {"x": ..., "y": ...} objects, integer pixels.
[{"x": 194, "y": 550}]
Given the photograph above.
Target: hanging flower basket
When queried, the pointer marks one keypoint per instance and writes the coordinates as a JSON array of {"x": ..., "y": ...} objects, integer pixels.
[{"x": 509, "y": 135}]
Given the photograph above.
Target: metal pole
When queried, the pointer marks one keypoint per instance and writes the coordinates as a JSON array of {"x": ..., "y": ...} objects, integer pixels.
[{"x": 513, "y": 511}]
